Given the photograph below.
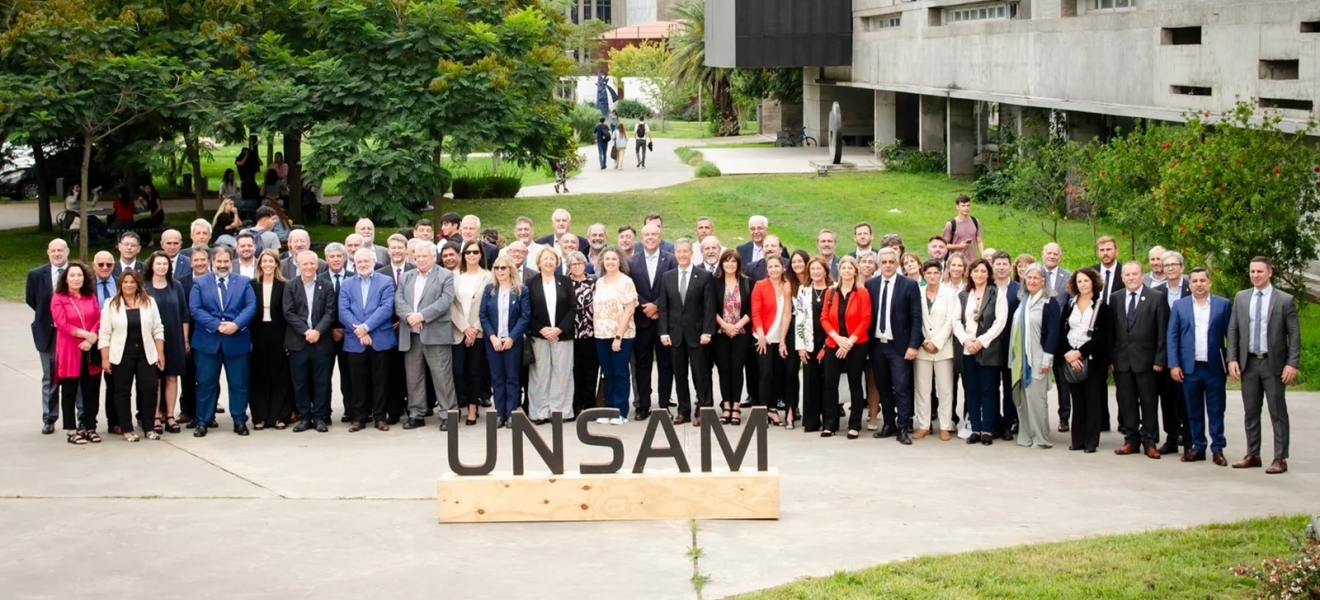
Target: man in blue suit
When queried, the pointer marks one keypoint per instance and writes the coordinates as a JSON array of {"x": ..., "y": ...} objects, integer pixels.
[
  {"x": 647, "y": 269},
  {"x": 222, "y": 305},
  {"x": 366, "y": 305},
  {"x": 896, "y": 328},
  {"x": 1198, "y": 325}
]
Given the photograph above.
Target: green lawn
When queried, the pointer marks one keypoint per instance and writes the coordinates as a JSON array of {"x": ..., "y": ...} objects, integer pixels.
[
  {"x": 689, "y": 130},
  {"x": 1168, "y": 564}
]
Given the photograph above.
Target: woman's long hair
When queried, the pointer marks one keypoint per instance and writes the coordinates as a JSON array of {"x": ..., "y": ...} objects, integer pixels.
[
  {"x": 229, "y": 176},
  {"x": 515, "y": 277},
  {"x": 88, "y": 286},
  {"x": 151, "y": 266},
  {"x": 274, "y": 254},
  {"x": 143, "y": 299}
]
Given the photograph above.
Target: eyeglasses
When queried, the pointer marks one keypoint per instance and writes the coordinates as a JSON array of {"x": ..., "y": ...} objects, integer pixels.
[
  {"x": 501, "y": 268},
  {"x": 472, "y": 253},
  {"x": 109, "y": 264}
]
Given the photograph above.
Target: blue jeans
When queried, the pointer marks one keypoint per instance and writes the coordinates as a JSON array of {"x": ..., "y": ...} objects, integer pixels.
[
  {"x": 981, "y": 388},
  {"x": 1204, "y": 392},
  {"x": 208, "y": 385},
  {"x": 505, "y": 367},
  {"x": 602, "y": 148},
  {"x": 614, "y": 368}
]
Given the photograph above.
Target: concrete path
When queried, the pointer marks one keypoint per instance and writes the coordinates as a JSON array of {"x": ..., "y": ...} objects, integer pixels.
[
  {"x": 352, "y": 516},
  {"x": 663, "y": 169},
  {"x": 749, "y": 161}
]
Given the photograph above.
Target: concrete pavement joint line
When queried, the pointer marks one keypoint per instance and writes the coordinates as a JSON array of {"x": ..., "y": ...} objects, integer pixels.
[
  {"x": 194, "y": 455},
  {"x": 160, "y": 497}
]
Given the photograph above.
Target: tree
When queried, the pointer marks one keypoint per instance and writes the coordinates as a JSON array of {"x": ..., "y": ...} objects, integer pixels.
[
  {"x": 781, "y": 85},
  {"x": 1046, "y": 178},
  {"x": 646, "y": 61},
  {"x": 687, "y": 66}
]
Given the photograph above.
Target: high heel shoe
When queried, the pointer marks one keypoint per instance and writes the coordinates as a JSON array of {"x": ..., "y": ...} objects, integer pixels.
[
  {"x": 171, "y": 426},
  {"x": 772, "y": 416},
  {"x": 737, "y": 416},
  {"x": 725, "y": 414}
]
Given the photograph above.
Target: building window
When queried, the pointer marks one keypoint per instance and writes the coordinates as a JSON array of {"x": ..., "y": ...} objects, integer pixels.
[
  {"x": 1113, "y": 4},
  {"x": 882, "y": 22},
  {"x": 980, "y": 13}
]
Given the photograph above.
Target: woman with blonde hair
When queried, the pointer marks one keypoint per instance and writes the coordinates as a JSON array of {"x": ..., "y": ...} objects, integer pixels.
[
  {"x": 550, "y": 379},
  {"x": 505, "y": 312},
  {"x": 132, "y": 343},
  {"x": 269, "y": 399},
  {"x": 955, "y": 273},
  {"x": 226, "y": 220}
]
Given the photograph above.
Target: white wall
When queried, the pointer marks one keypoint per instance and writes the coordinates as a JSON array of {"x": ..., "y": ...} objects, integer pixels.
[{"x": 634, "y": 88}]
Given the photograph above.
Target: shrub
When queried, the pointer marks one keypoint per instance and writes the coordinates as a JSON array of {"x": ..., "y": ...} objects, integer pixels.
[
  {"x": 584, "y": 118},
  {"x": 481, "y": 185},
  {"x": 992, "y": 187},
  {"x": 706, "y": 168},
  {"x": 689, "y": 156},
  {"x": 1287, "y": 579},
  {"x": 905, "y": 160},
  {"x": 632, "y": 109}
]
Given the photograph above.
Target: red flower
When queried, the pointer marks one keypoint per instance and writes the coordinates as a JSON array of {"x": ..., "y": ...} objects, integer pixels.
[
  {"x": 1182, "y": 228},
  {"x": 1221, "y": 186},
  {"x": 1102, "y": 172},
  {"x": 1164, "y": 146},
  {"x": 1198, "y": 224},
  {"x": 1239, "y": 161},
  {"x": 1207, "y": 114},
  {"x": 1317, "y": 169},
  {"x": 1276, "y": 170}
]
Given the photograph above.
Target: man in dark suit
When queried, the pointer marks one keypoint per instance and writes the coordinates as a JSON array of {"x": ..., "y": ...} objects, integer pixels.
[
  {"x": 752, "y": 251},
  {"x": 1173, "y": 409},
  {"x": 396, "y": 405},
  {"x": 311, "y": 309},
  {"x": 129, "y": 246},
  {"x": 1002, "y": 266},
  {"x": 1264, "y": 351},
  {"x": 171, "y": 242},
  {"x": 222, "y": 305},
  {"x": 647, "y": 269},
  {"x": 771, "y": 247},
  {"x": 1106, "y": 249},
  {"x": 1197, "y": 326},
  {"x": 337, "y": 270},
  {"x": 687, "y": 322},
  {"x": 106, "y": 284},
  {"x": 1056, "y": 276},
  {"x": 1140, "y": 322},
  {"x": 199, "y": 260},
  {"x": 896, "y": 315},
  {"x": 39, "y": 290},
  {"x": 299, "y": 241}
]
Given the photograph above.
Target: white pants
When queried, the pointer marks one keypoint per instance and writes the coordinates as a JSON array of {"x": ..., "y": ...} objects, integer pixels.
[
  {"x": 942, "y": 372},
  {"x": 550, "y": 379}
]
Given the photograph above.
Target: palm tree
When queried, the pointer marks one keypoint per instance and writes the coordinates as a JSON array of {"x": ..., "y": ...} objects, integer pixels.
[{"x": 687, "y": 65}]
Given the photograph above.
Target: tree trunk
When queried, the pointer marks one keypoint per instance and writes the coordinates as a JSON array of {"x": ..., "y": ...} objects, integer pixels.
[
  {"x": 172, "y": 169},
  {"x": 82, "y": 196},
  {"x": 293, "y": 158},
  {"x": 726, "y": 115},
  {"x": 193, "y": 151},
  {"x": 270, "y": 150},
  {"x": 439, "y": 195},
  {"x": 43, "y": 193}
]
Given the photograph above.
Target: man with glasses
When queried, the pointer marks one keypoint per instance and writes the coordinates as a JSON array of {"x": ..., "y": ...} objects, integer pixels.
[
  {"x": 105, "y": 280},
  {"x": 1173, "y": 408},
  {"x": 129, "y": 246}
]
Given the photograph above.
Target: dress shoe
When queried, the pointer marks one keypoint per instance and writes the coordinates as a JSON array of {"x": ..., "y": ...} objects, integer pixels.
[
  {"x": 746, "y": 403},
  {"x": 484, "y": 402},
  {"x": 987, "y": 439},
  {"x": 47, "y": 428},
  {"x": 213, "y": 424},
  {"x": 345, "y": 419},
  {"x": 321, "y": 426},
  {"x": 444, "y": 424},
  {"x": 1074, "y": 448},
  {"x": 116, "y": 430},
  {"x": 641, "y": 415},
  {"x": 241, "y": 428},
  {"x": 382, "y": 426},
  {"x": 1169, "y": 447},
  {"x": 392, "y": 421},
  {"x": 1089, "y": 451},
  {"x": 1247, "y": 462},
  {"x": 415, "y": 423},
  {"x": 191, "y": 424},
  {"x": 975, "y": 438},
  {"x": 302, "y": 426},
  {"x": 904, "y": 438},
  {"x": 1126, "y": 449},
  {"x": 1193, "y": 456},
  {"x": 1152, "y": 452},
  {"x": 1279, "y": 466},
  {"x": 219, "y": 410},
  {"x": 886, "y": 431},
  {"x": 200, "y": 431},
  {"x": 1218, "y": 458},
  {"x": 920, "y": 433},
  {"x": 1063, "y": 427},
  {"x": 681, "y": 419},
  {"x": 944, "y": 436},
  {"x": 356, "y": 426},
  {"x": 1008, "y": 435},
  {"x": 430, "y": 412}
]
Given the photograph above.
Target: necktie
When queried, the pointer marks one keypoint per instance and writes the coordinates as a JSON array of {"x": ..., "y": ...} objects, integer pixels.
[
  {"x": 398, "y": 276},
  {"x": 223, "y": 292},
  {"x": 1256, "y": 323},
  {"x": 1132, "y": 309},
  {"x": 105, "y": 290},
  {"x": 682, "y": 285},
  {"x": 1051, "y": 279},
  {"x": 884, "y": 308},
  {"x": 337, "y": 276}
]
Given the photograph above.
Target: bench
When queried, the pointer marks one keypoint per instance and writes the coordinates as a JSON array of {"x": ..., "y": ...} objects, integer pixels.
[{"x": 145, "y": 232}]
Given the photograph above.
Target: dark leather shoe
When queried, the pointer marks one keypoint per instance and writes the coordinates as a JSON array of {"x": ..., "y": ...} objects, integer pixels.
[
  {"x": 219, "y": 410},
  {"x": 1193, "y": 456},
  {"x": 904, "y": 438},
  {"x": 1063, "y": 427},
  {"x": 302, "y": 426},
  {"x": 886, "y": 431},
  {"x": 191, "y": 424},
  {"x": 430, "y": 412},
  {"x": 444, "y": 424},
  {"x": 975, "y": 438},
  {"x": 47, "y": 428},
  {"x": 415, "y": 423},
  {"x": 1279, "y": 466},
  {"x": 382, "y": 426},
  {"x": 213, "y": 424},
  {"x": 641, "y": 415},
  {"x": 321, "y": 426},
  {"x": 392, "y": 421},
  {"x": 1008, "y": 435},
  {"x": 1152, "y": 452},
  {"x": 356, "y": 426},
  {"x": 241, "y": 429},
  {"x": 681, "y": 419},
  {"x": 345, "y": 419},
  {"x": 484, "y": 402},
  {"x": 1089, "y": 451},
  {"x": 1074, "y": 448},
  {"x": 200, "y": 431},
  {"x": 1247, "y": 462},
  {"x": 1218, "y": 458},
  {"x": 1169, "y": 447},
  {"x": 1126, "y": 449}
]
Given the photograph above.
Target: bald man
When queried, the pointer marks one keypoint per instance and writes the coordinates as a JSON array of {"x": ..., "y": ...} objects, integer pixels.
[
  {"x": 171, "y": 241},
  {"x": 40, "y": 287},
  {"x": 299, "y": 241}
]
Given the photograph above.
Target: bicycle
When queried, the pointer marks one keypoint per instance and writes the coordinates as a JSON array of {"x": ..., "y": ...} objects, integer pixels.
[{"x": 796, "y": 139}]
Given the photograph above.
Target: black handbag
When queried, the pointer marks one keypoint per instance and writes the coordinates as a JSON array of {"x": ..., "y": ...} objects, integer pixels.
[
  {"x": 529, "y": 355},
  {"x": 1072, "y": 374},
  {"x": 650, "y": 147}
]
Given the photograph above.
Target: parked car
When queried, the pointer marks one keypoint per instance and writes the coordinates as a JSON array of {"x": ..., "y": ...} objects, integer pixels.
[{"x": 21, "y": 183}]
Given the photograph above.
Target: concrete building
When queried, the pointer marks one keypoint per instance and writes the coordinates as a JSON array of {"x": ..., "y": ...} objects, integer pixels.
[
  {"x": 933, "y": 73},
  {"x": 620, "y": 12}
]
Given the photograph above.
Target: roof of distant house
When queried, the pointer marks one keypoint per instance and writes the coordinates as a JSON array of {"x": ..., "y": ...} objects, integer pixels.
[{"x": 657, "y": 30}]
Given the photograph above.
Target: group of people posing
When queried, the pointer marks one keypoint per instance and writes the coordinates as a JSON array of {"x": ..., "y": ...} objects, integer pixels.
[{"x": 445, "y": 320}]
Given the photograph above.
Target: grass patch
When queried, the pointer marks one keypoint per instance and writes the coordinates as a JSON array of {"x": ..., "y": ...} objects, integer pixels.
[
  {"x": 742, "y": 145},
  {"x": 1158, "y": 565},
  {"x": 689, "y": 155},
  {"x": 706, "y": 168},
  {"x": 689, "y": 130}
]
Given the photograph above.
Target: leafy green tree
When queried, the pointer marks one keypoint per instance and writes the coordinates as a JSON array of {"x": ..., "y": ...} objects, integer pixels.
[
  {"x": 1046, "y": 178},
  {"x": 687, "y": 66},
  {"x": 781, "y": 85}
]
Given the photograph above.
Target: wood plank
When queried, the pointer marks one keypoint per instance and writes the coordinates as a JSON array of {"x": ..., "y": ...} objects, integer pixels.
[{"x": 613, "y": 497}]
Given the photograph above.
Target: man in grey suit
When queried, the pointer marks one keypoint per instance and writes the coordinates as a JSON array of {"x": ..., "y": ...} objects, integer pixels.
[
  {"x": 1173, "y": 408},
  {"x": 422, "y": 304},
  {"x": 299, "y": 242},
  {"x": 1265, "y": 359},
  {"x": 1056, "y": 277}
]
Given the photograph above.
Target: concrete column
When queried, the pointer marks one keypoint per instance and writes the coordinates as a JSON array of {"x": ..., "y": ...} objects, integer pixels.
[
  {"x": 816, "y": 102},
  {"x": 932, "y": 124},
  {"x": 886, "y": 119},
  {"x": 962, "y": 137},
  {"x": 1083, "y": 127}
]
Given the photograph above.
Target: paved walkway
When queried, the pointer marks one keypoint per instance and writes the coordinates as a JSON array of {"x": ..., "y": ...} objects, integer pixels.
[
  {"x": 663, "y": 169},
  {"x": 351, "y": 516}
]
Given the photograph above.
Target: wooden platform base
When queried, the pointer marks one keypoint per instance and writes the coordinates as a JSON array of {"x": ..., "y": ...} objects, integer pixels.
[{"x": 614, "y": 497}]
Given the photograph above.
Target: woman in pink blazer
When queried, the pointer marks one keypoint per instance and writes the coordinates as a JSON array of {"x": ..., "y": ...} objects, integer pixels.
[{"x": 77, "y": 319}]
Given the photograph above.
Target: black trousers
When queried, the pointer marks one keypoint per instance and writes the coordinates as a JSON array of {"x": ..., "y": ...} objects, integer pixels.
[
  {"x": 774, "y": 370},
  {"x": 469, "y": 366},
  {"x": 751, "y": 369},
  {"x": 813, "y": 394},
  {"x": 188, "y": 389},
  {"x": 345, "y": 382},
  {"x": 893, "y": 379},
  {"x": 645, "y": 349},
  {"x": 89, "y": 386},
  {"x": 112, "y": 417},
  {"x": 1008, "y": 417},
  {"x": 851, "y": 366},
  {"x": 1089, "y": 400},
  {"x": 268, "y": 395},
  {"x": 731, "y": 360},
  {"x": 694, "y": 358},
  {"x": 1062, "y": 385},
  {"x": 1138, "y": 403},
  {"x": 309, "y": 372},
  {"x": 133, "y": 368},
  {"x": 1173, "y": 410},
  {"x": 396, "y": 400},
  {"x": 370, "y": 371},
  {"x": 586, "y": 374}
]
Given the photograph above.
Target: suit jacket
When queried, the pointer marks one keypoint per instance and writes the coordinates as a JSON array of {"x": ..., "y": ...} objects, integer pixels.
[
  {"x": 119, "y": 267},
  {"x": 1282, "y": 331},
  {"x": 324, "y": 313},
  {"x": 755, "y": 271},
  {"x": 382, "y": 254},
  {"x": 1014, "y": 295},
  {"x": 904, "y": 310},
  {"x": 38, "y": 293},
  {"x": 565, "y": 307},
  {"x": 289, "y": 266},
  {"x": 376, "y": 314},
  {"x": 684, "y": 321},
  {"x": 461, "y": 320},
  {"x": 1061, "y": 278},
  {"x": 648, "y": 290},
  {"x": 937, "y": 323},
  {"x": 329, "y": 278},
  {"x": 387, "y": 269},
  {"x": 1182, "y": 334},
  {"x": 434, "y": 304},
  {"x": 1114, "y": 284},
  {"x": 550, "y": 240},
  {"x": 719, "y": 289},
  {"x": 520, "y": 308},
  {"x": 240, "y": 307},
  {"x": 1145, "y": 344},
  {"x": 182, "y": 264},
  {"x": 745, "y": 251},
  {"x": 276, "y": 304}
]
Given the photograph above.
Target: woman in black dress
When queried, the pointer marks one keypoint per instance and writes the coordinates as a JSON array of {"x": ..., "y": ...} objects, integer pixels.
[
  {"x": 173, "y": 308},
  {"x": 810, "y": 337},
  {"x": 270, "y": 401},
  {"x": 586, "y": 366}
]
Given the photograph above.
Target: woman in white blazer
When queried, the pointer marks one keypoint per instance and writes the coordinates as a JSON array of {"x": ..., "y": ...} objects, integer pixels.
[
  {"x": 935, "y": 356},
  {"x": 132, "y": 343},
  {"x": 469, "y": 355}
]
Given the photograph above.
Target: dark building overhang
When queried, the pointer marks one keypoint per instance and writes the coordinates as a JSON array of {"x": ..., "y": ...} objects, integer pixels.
[{"x": 778, "y": 33}]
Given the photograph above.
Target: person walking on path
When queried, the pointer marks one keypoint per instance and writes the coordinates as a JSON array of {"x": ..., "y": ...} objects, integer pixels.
[
  {"x": 603, "y": 135},
  {"x": 620, "y": 147},
  {"x": 641, "y": 134}
]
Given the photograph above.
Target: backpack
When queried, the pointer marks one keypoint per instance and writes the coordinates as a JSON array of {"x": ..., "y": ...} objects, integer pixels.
[
  {"x": 953, "y": 228},
  {"x": 256, "y": 233},
  {"x": 641, "y": 130},
  {"x": 602, "y": 134}
]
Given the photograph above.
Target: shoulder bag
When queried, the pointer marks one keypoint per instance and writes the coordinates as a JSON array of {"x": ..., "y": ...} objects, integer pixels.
[{"x": 1073, "y": 374}]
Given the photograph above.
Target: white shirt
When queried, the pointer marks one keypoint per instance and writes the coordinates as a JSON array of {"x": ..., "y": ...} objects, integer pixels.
[
  {"x": 772, "y": 334},
  {"x": 1201, "y": 322},
  {"x": 1174, "y": 293},
  {"x": 1050, "y": 275},
  {"x": 652, "y": 261},
  {"x": 1264, "y": 345},
  {"x": 337, "y": 279},
  {"x": 551, "y": 298},
  {"x": 419, "y": 284},
  {"x": 467, "y": 292},
  {"x": 757, "y": 253},
  {"x": 502, "y": 320},
  {"x": 1079, "y": 325},
  {"x": 123, "y": 266},
  {"x": 249, "y": 271},
  {"x": 1106, "y": 279},
  {"x": 1131, "y": 301},
  {"x": 309, "y": 289},
  {"x": 55, "y": 274},
  {"x": 266, "y": 287},
  {"x": 885, "y": 331}
]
